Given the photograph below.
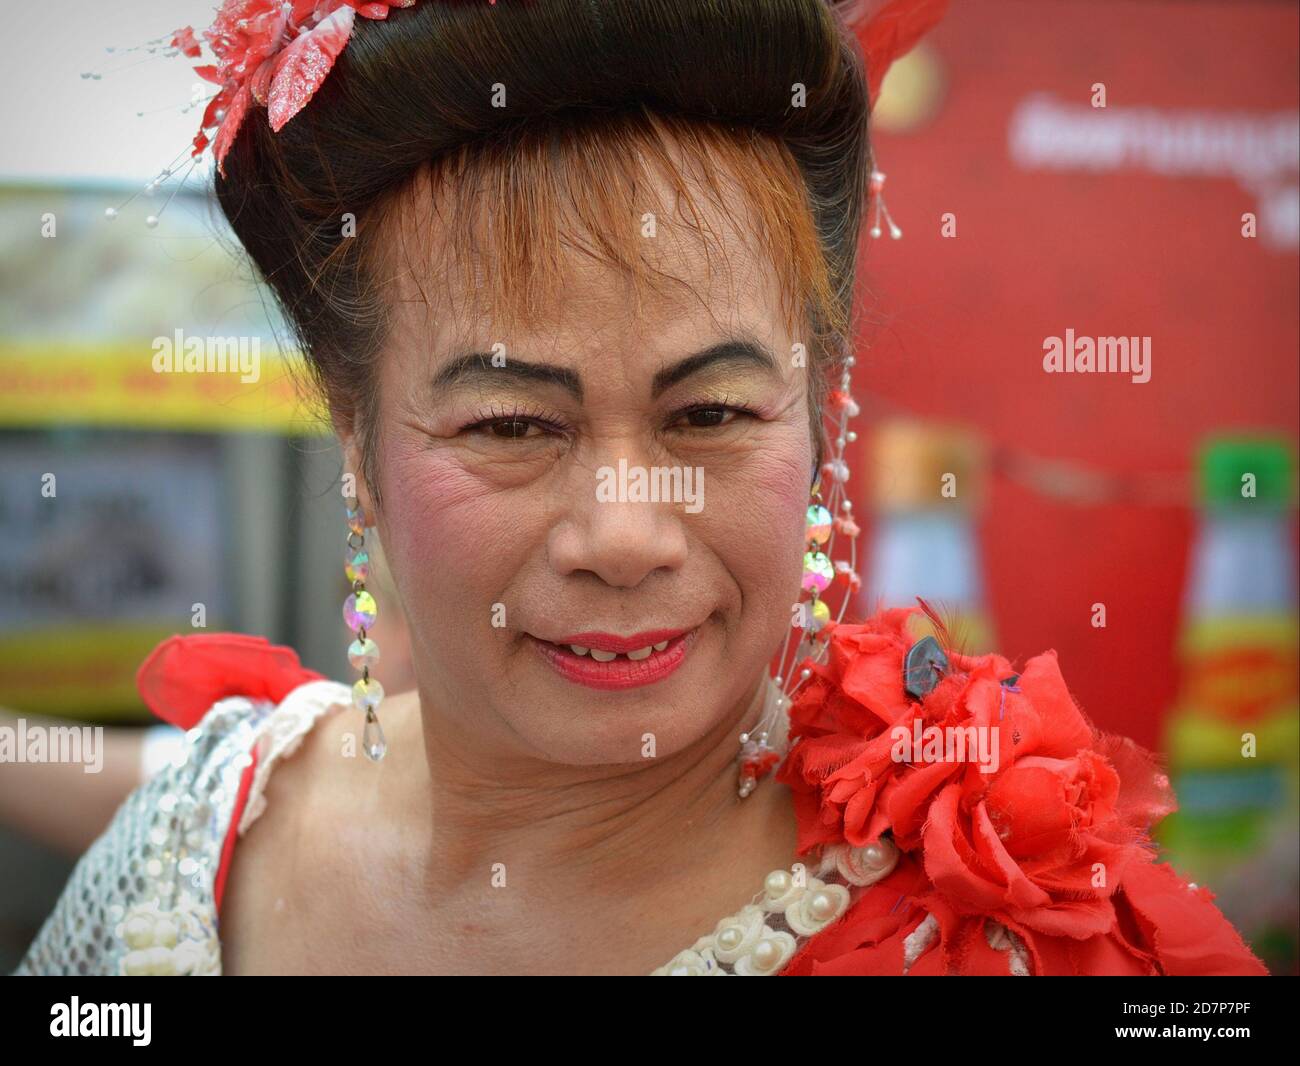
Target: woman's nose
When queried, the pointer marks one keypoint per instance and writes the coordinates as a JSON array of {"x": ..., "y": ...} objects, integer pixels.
[{"x": 621, "y": 540}]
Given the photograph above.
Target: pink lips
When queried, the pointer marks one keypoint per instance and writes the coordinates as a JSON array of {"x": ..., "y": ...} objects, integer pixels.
[{"x": 617, "y": 673}]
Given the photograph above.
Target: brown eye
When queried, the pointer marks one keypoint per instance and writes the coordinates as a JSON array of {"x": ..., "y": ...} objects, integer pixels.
[
  {"x": 707, "y": 417},
  {"x": 510, "y": 427}
]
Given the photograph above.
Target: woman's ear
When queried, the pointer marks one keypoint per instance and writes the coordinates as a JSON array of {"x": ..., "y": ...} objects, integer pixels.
[{"x": 353, "y": 481}]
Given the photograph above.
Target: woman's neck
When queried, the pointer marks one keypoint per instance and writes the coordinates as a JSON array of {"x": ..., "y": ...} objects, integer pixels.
[{"x": 666, "y": 847}]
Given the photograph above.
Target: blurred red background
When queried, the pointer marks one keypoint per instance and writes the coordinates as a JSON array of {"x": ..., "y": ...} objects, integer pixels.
[{"x": 1145, "y": 243}]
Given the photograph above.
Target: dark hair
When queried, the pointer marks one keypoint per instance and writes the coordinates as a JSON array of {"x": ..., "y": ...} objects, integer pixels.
[{"x": 413, "y": 94}]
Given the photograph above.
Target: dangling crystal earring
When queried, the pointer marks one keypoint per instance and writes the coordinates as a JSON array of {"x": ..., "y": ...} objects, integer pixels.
[
  {"x": 359, "y": 612},
  {"x": 825, "y": 519}
]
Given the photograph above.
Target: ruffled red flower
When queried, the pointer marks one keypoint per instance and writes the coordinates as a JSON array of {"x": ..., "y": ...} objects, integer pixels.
[{"x": 1053, "y": 844}]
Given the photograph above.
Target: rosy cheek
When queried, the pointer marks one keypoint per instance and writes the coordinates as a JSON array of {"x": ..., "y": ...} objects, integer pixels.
[
  {"x": 444, "y": 532},
  {"x": 776, "y": 482},
  {"x": 753, "y": 519}
]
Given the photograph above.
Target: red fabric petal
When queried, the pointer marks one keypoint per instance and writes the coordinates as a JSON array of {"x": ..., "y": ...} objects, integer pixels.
[
  {"x": 879, "y": 960},
  {"x": 951, "y": 863},
  {"x": 909, "y": 800},
  {"x": 1108, "y": 956},
  {"x": 892, "y": 31},
  {"x": 1028, "y": 805},
  {"x": 301, "y": 68},
  {"x": 370, "y": 10},
  {"x": 875, "y": 681},
  {"x": 1020, "y": 890},
  {"x": 1075, "y": 918},
  {"x": 1145, "y": 794},
  {"x": 857, "y": 815},
  {"x": 183, "y": 39},
  {"x": 260, "y": 83},
  {"x": 185, "y": 675},
  {"x": 230, "y": 127},
  {"x": 973, "y": 956},
  {"x": 1065, "y": 729},
  {"x": 217, "y": 103},
  {"x": 1187, "y": 933},
  {"x": 1049, "y": 956}
]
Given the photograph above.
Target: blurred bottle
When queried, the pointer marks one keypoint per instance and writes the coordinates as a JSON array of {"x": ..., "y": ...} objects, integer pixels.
[
  {"x": 927, "y": 485},
  {"x": 1236, "y": 830}
]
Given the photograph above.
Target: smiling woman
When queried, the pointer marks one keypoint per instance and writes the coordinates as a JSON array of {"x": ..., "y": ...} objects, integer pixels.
[{"x": 524, "y": 245}]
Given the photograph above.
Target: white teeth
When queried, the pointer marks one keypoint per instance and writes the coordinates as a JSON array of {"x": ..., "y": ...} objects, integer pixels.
[{"x": 602, "y": 656}]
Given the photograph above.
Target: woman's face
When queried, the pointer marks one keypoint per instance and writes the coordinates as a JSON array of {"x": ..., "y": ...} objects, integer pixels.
[{"x": 511, "y": 519}]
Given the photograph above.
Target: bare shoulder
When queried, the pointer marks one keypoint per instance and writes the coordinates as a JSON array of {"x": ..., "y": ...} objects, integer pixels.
[
  {"x": 270, "y": 880},
  {"x": 299, "y": 864}
]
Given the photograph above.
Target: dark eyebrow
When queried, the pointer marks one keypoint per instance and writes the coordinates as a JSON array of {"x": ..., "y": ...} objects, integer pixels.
[
  {"x": 735, "y": 351},
  {"x": 478, "y": 365}
]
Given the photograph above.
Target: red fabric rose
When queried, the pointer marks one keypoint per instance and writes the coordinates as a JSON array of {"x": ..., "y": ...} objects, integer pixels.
[{"x": 1041, "y": 844}]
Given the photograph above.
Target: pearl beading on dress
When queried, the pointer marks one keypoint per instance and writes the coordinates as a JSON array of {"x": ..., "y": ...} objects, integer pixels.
[{"x": 762, "y": 937}]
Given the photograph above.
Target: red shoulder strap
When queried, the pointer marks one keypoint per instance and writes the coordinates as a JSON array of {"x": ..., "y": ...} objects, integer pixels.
[{"x": 232, "y": 831}]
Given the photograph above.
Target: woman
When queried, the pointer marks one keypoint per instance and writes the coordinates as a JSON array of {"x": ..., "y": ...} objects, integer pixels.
[{"x": 574, "y": 278}]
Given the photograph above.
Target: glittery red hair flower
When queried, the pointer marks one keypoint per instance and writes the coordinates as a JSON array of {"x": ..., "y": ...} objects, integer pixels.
[
  {"x": 270, "y": 53},
  {"x": 276, "y": 53}
]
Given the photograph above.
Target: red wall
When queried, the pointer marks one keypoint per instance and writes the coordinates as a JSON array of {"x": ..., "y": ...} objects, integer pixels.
[{"x": 958, "y": 324}]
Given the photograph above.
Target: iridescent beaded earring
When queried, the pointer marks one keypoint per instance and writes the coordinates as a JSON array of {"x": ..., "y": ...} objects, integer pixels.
[
  {"x": 812, "y": 621},
  {"x": 359, "y": 612}
]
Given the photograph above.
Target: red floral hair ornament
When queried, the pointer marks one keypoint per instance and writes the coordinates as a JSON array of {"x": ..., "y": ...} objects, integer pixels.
[
  {"x": 1043, "y": 840},
  {"x": 270, "y": 53},
  {"x": 277, "y": 53},
  {"x": 889, "y": 30}
]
